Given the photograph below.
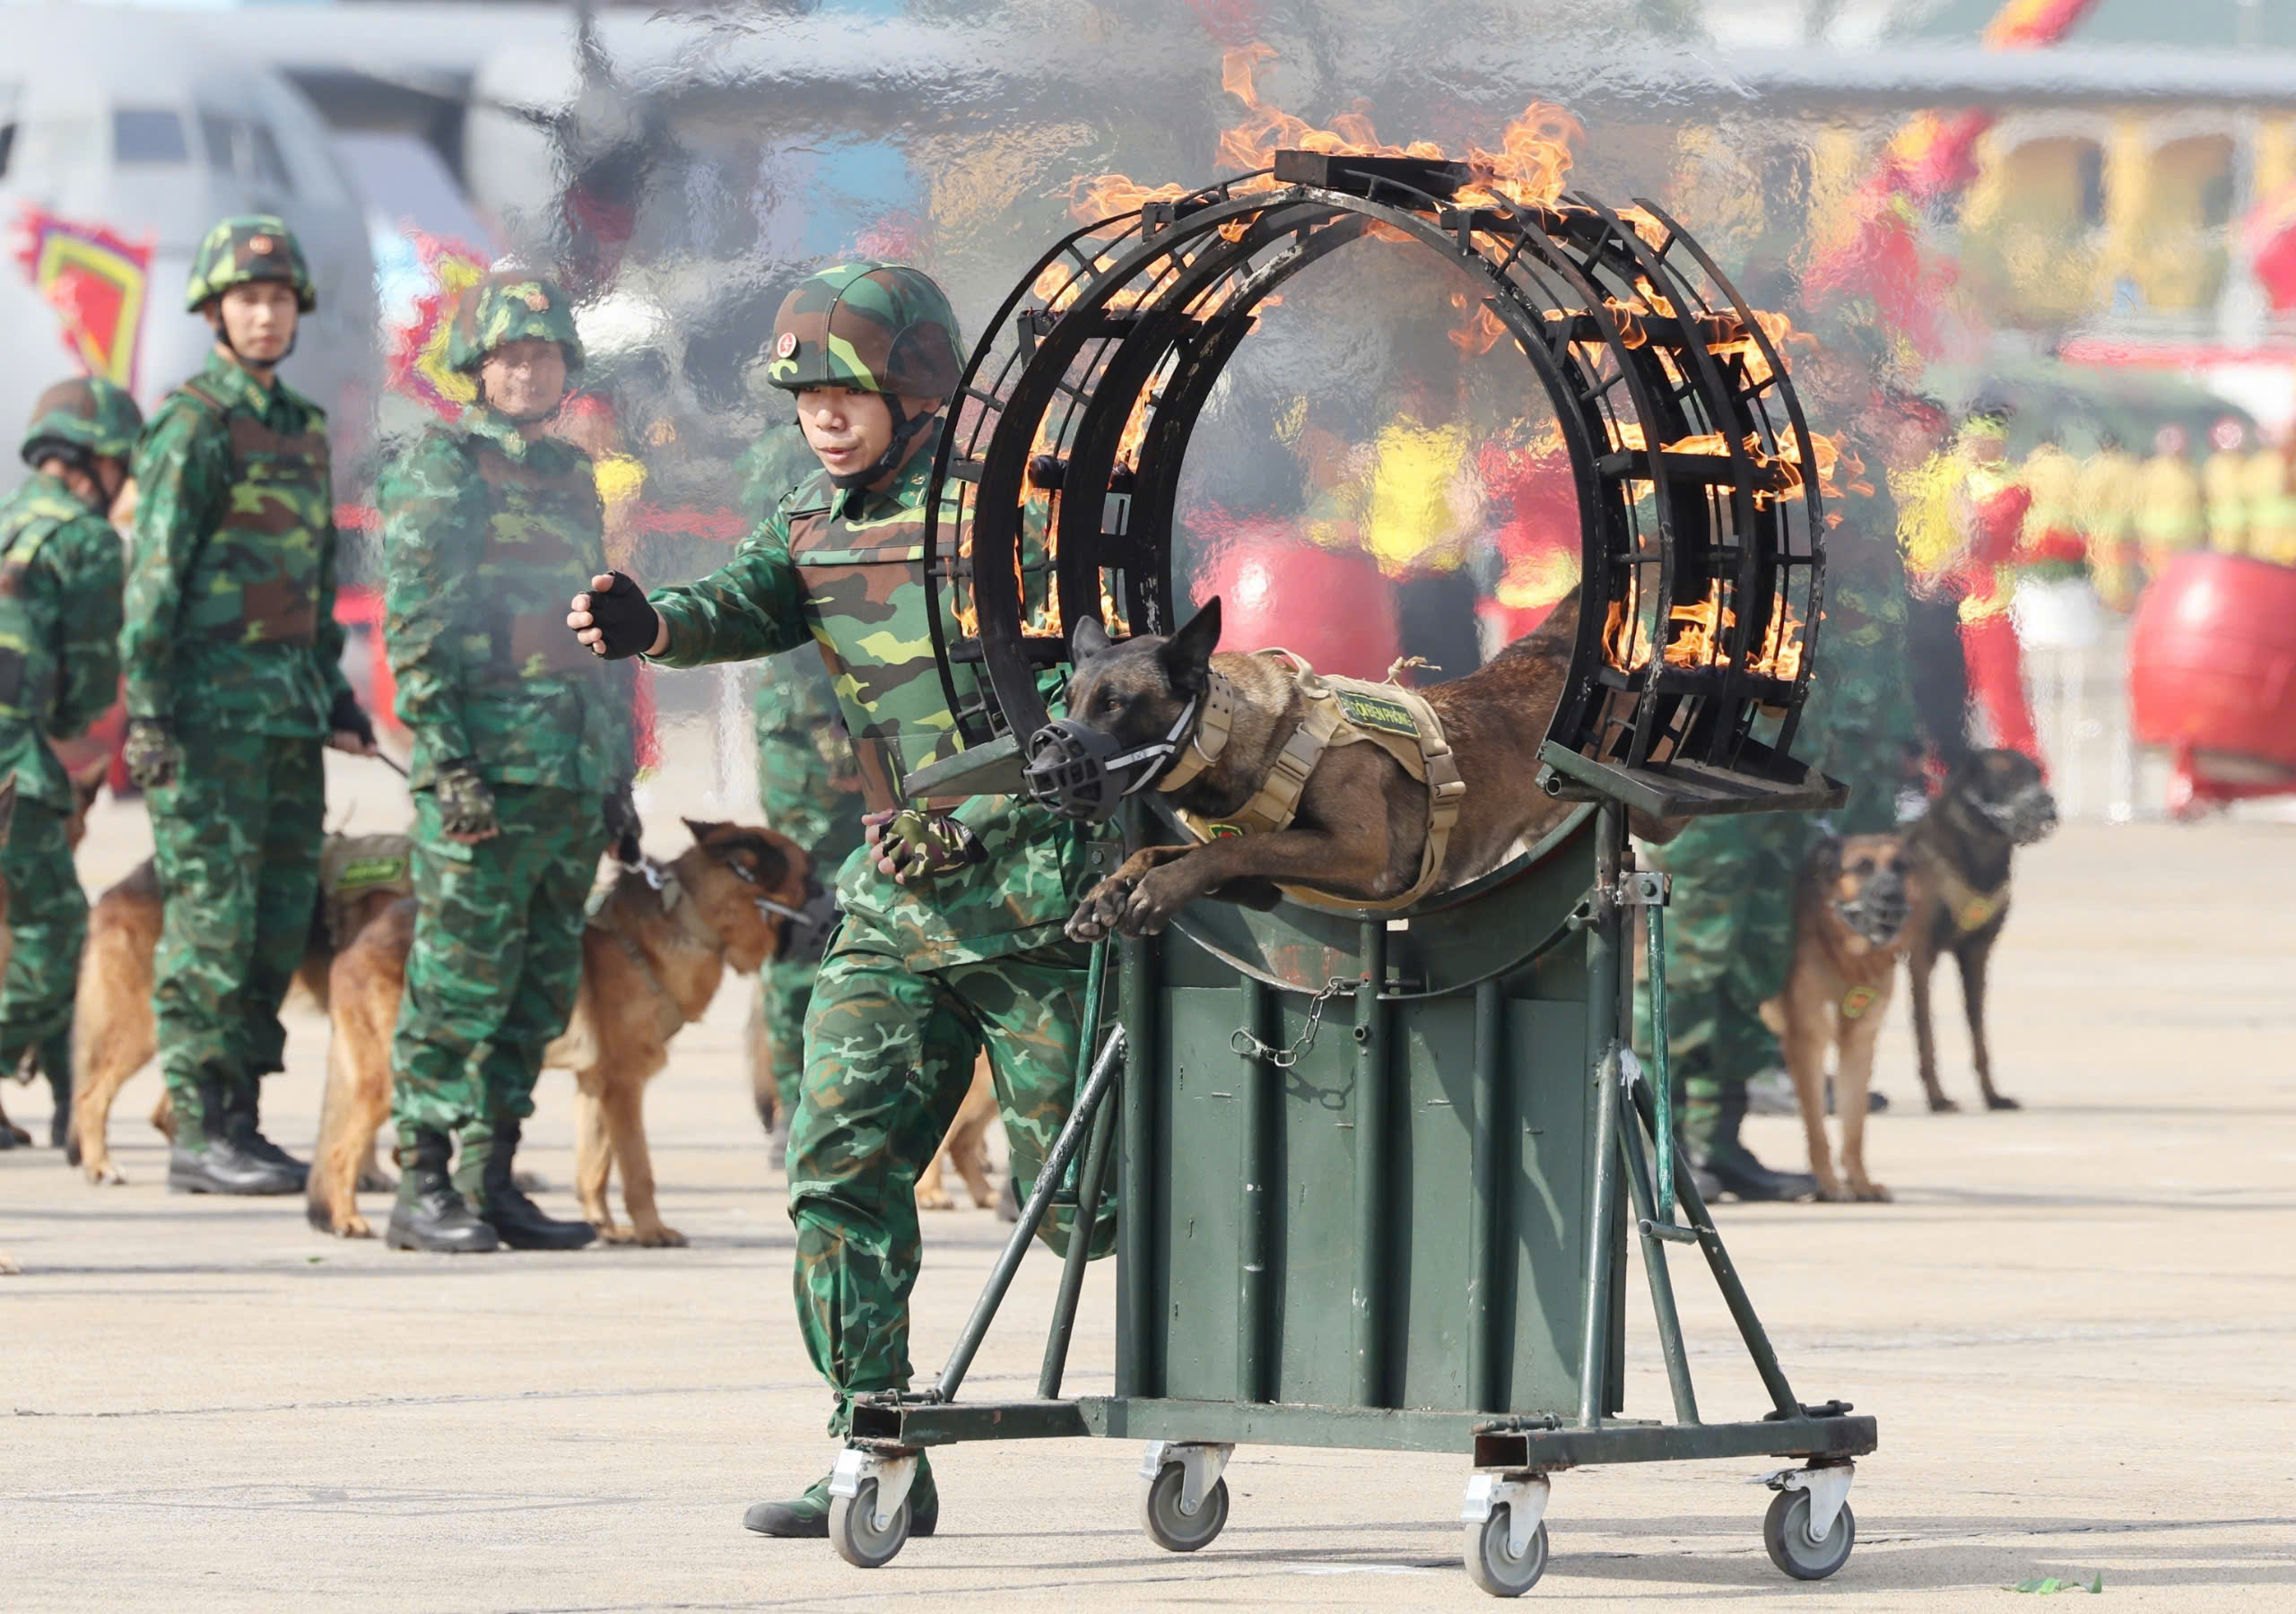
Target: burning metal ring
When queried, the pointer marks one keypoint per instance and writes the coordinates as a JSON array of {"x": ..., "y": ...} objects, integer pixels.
[{"x": 1696, "y": 474}]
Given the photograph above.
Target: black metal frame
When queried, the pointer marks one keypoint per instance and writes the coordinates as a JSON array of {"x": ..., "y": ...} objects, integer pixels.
[{"x": 1635, "y": 338}]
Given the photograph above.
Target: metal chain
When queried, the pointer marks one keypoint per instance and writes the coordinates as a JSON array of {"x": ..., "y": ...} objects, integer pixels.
[{"x": 1243, "y": 1042}]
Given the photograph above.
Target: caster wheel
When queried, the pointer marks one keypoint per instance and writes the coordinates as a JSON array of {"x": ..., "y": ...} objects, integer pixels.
[
  {"x": 1785, "y": 1531},
  {"x": 853, "y": 1529},
  {"x": 1168, "y": 1526},
  {"x": 1495, "y": 1568}
]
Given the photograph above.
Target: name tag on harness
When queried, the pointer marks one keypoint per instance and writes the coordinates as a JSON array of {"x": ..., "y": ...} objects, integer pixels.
[{"x": 1377, "y": 712}]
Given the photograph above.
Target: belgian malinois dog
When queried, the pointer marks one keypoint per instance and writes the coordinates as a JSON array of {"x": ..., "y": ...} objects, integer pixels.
[
  {"x": 1362, "y": 828},
  {"x": 653, "y": 957},
  {"x": 87, "y": 784},
  {"x": 1853, "y": 913},
  {"x": 114, "y": 1033},
  {"x": 1992, "y": 804}
]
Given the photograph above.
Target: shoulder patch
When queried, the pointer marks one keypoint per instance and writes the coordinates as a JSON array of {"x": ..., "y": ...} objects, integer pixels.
[{"x": 1377, "y": 712}]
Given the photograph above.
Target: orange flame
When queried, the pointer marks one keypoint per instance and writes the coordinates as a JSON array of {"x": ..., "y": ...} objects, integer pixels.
[{"x": 1694, "y": 638}]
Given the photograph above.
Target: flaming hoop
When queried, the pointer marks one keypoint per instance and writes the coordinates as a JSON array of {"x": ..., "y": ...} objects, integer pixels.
[{"x": 1701, "y": 535}]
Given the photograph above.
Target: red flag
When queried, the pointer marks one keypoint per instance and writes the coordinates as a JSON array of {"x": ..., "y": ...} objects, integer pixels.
[{"x": 95, "y": 281}]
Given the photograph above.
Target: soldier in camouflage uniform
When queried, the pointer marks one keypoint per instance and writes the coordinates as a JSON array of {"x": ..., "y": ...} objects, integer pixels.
[
  {"x": 60, "y": 577},
  {"x": 232, "y": 657},
  {"x": 1730, "y": 921},
  {"x": 806, "y": 781},
  {"x": 522, "y": 762},
  {"x": 950, "y": 938}
]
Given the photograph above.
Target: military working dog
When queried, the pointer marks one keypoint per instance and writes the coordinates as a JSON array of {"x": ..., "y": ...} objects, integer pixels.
[
  {"x": 114, "y": 1032},
  {"x": 1854, "y": 908},
  {"x": 656, "y": 950},
  {"x": 1992, "y": 804},
  {"x": 87, "y": 782},
  {"x": 1362, "y": 827}
]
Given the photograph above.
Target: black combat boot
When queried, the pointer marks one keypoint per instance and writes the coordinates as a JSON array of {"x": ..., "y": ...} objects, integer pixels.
[
  {"x": 483, "y": 1175},
  {"x": 807, "y": 1513},
  {"x": 243, "y": 1123},
  {"x": 208, "y": 1156},
  {"x": 1713, "y": 1150},
  {"x": 428, "y": 1214}
]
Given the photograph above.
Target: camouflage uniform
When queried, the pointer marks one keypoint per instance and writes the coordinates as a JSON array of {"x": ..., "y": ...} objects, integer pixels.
[
  {"x": 60, "y": 575},
  {"x": 806, "y": 779},
  {"x": 1730, "y": 920},
  {"x": 486, "y": 536},
  {"x": 231, "y": 639},
  {"x": 920, "y": 977}
]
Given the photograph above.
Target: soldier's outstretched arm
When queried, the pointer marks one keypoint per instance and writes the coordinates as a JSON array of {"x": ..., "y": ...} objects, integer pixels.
[
  {"x": 427, "y": 576},
  {"x": 183, "y": 473},
  {"x": 753, "y": 605},
  {"x": 92, "y": 576}
]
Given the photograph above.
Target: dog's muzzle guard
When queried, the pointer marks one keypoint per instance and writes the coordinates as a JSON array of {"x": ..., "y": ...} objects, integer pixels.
[
  {"x": 1879, "y": 911},
  {"x": 1083, "y": 774}
]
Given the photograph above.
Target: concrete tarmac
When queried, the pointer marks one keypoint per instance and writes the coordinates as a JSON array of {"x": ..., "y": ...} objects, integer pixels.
[{"x": 2073, "y": 1325}]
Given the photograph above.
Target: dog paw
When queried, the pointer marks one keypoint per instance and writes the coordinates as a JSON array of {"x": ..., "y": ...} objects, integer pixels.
[
  {"x": 658, "y": 1238},
  {"x": 353, "y": 1225},
  {"x": 103, "y": 1173},
  {"x": 1834, "y": 1193},
  {"x": 1872, "y": 1192},
  {"x": 1153, "y": 903},
  {"x": 938, "y": 1200},
  {"x": 2001, "y": 1101},
  {"x": 1943, "y": 1107},
  {"x": 610, "y": 1234},
  {"x": 1102, "y": 909}
]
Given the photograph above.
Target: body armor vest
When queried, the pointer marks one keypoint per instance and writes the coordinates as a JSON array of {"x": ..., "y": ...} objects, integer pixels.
[
  {"x": 257, "y": 580},
  {"x": 867, "y": 584},
  {"x": 28, "y": 668},
  {"x": 541, "y": 546}
]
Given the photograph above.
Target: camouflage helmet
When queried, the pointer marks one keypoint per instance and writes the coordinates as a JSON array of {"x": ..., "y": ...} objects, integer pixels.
[
  {"x": 873, "y": 327},
  {"x": 91, "y": 415},
  {"x": 505, "y": 306},
  {"x": 250, "y": 247}
]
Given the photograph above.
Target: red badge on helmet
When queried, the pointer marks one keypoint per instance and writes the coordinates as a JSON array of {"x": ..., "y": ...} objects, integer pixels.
[
  {"x": 537, "y": 302},
  {"x": 261, "y": 245},
  {"x": 784, "y": 346}
]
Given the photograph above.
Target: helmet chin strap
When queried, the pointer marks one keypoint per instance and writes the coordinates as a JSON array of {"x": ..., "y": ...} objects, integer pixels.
[{"x": 906, "y": 427}]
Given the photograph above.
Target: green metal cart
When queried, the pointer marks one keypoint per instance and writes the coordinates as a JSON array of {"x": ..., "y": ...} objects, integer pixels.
[{"x": 1377, "y": 1175}]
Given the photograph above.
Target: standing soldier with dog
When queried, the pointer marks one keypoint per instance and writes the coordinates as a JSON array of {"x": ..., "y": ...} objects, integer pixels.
[
  {"x": 950, "y": 938},
  {"x": 233, "y": 662},
  {"x": 60, "y": 577},
  {"x": 809, "y": 786},
  {"x": 522, "y": 764}
]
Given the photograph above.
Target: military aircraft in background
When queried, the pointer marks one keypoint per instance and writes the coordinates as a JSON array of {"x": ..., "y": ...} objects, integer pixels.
[{"x": 573, "y": 131}]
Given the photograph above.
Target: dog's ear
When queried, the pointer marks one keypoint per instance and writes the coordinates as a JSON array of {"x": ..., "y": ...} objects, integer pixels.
[
  {"x": 1088, "y": 639},
  {"x": 702, "y": 829},
  {"x": 1186, "y": 656},
  {"x": 757, "y": 856}
]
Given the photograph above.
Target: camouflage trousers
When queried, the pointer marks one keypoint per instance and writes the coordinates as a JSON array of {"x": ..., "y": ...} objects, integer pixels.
[
  {"x": 48, "y": 916},
  {"x": 889, "y": 1053},
  {"x": 497, "y": 957},
  {"x": 784, "y": 992},
  {"x": 238, "y": 836},
  {"x": 1729, "y": 938}
]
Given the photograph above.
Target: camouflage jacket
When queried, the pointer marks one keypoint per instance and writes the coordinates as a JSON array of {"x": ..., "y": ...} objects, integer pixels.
[
  {"x": 485, "y": 538},
  {"x": 806, "y": 779},
  {"x": 231, "y": 590},
  {"x": 846, "y": 569},
  {"x": 60, "y": 577},
  {"x": 1862, "y": 679}
]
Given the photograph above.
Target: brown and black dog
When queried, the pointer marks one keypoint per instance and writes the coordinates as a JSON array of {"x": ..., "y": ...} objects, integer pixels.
[
  {"x": 1992, "y": 804},
  {"x": 653, "y": 957},
  {"x": 1853, "y": 912},
  {"x": 114, "y": 1033},
  {"x": 1361, "y": 827},
  {"x": 87, "y": 782}
]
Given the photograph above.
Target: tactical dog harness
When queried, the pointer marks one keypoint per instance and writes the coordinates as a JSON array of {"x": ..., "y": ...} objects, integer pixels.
[{"x": 1339, "y": 711}]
